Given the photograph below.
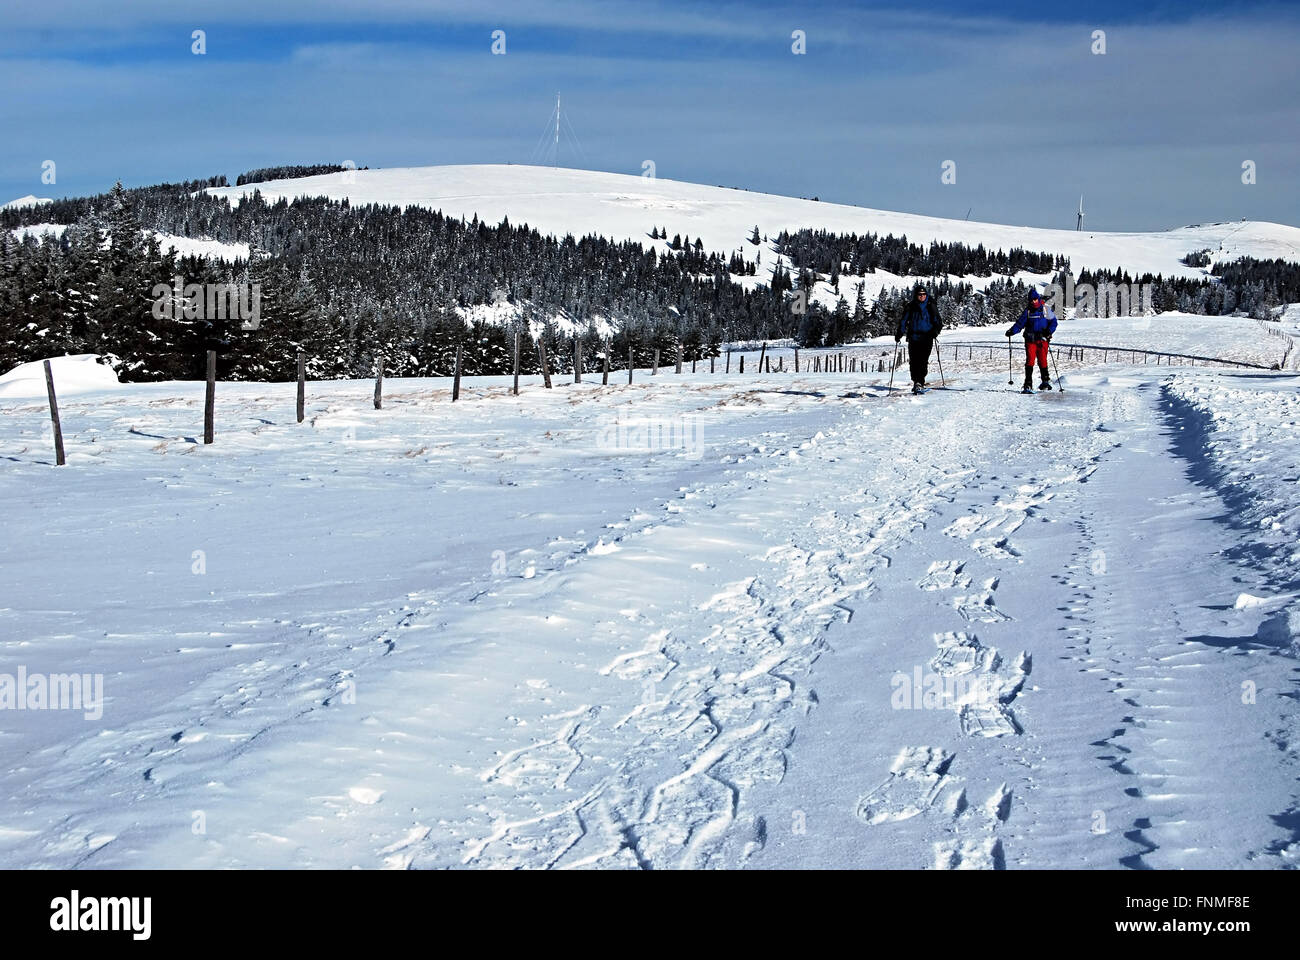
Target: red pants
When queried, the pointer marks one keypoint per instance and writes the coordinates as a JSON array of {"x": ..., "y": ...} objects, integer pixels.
[{"x": 1036, "y": 352}]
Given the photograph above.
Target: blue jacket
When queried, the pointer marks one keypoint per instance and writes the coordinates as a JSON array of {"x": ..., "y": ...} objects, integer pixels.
[
  {"x": 1038, "y": 324},
  {"x": 920, "y": 320}
]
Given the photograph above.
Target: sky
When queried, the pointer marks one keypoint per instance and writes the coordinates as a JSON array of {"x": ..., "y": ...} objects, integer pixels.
[{"x": 1007, "y": 96}]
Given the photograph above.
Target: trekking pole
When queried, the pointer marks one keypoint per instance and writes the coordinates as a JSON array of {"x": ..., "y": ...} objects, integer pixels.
[
  {"x": 894, "y": 366},
  {"x": 1055, "y": 368},
  {"x": 1011, "y": 366},
  {"x": 939, "y": 353}
]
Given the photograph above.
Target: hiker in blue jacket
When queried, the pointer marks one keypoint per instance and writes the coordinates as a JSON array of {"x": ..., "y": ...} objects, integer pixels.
[
  {"x": 1039, "y": 323},
  {"x": 921, "y": 324}
]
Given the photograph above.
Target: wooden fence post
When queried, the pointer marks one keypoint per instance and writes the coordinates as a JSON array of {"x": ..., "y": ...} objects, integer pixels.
[
  {"x": 210, "y": 397},
  {"x": 455, "y": 383},
  {"x": 679, "y": 359},
  {"x": 728, "y": 370},
  {"x": 54, "y": 416},
  {"x": 761, "y": 355},
  {"x": 516, "y": 363},
  {"x": 604, "y": 373},
  {"x": 577, "y": 360},
  {"x": 541, "y": 353},
  {"x": 711, "y": 359},
  {"x": 654, "y": 371},
  {"x": 629, "y": 364},
  {"x": 379, "y": 384},
  {"x": 302, "y": 383},
  {"x": 796, "y": 359}
]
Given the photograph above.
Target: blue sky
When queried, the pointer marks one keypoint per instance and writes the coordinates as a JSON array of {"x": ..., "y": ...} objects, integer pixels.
[{"x": 1153, "y": 133}]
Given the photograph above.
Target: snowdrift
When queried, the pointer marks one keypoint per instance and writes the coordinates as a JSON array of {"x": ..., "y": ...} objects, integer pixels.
[{"x": 84, "y": 373}]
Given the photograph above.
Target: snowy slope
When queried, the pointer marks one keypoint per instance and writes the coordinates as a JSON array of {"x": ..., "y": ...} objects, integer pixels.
[
  {"x": 508, "y": 632},
  {"x": 182, "y": 246},
  {"x": 31, "y": 200},
  {"x": 564, "y": 201},
  {"x": 211, "y": 249}
]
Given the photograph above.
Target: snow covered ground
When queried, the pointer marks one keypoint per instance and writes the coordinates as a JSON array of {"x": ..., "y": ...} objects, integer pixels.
[{"x": 698, "y": 621}]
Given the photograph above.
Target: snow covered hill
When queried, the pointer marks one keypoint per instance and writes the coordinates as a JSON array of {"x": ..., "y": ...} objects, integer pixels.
[
  {"x": 31, "y": 200},
  {"x": 564, "y": 201}
]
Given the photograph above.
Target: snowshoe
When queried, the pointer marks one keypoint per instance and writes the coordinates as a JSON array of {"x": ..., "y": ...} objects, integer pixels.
[
  {"x": 1027, "y": 389},
  {"x": 1045, "y": 385}
]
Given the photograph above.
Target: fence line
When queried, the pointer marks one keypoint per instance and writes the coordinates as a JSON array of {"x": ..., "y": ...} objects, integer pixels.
[
  {"x": 862, "y": 359},
  {"x": 1079, "y": 351}
]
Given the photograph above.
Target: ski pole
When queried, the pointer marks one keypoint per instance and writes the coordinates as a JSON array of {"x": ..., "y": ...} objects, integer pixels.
[
  {"x": 939, "y": 353},
  {"x": 1011, "y": 366},
  {"x": 1055, "y": 368},
  {"x": 894, "y": 366}
]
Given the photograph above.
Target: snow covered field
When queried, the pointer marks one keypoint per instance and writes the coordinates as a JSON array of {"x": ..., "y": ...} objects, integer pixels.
[{"x": 699, "y": 621}]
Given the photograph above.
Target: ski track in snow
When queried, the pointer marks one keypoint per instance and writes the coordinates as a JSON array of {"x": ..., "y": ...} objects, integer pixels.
[{"x": 668, "y": 668}]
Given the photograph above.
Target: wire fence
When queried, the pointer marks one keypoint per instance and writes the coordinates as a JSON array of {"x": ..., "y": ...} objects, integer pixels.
[
  {"x": 885, "y": 359},
  {"x": 1099, "y": 353}
]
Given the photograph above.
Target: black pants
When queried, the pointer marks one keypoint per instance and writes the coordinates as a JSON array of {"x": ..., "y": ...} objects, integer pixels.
[{"x": 918, "y": 355}]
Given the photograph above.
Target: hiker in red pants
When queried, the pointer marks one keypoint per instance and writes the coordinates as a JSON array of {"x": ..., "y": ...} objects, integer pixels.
[{"x": 1039, "y": 323}]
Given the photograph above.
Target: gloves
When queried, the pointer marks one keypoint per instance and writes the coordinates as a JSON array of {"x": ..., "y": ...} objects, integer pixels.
[
  {"x": 898, "y": 337},
  {"x": 1007, "y": 334}
]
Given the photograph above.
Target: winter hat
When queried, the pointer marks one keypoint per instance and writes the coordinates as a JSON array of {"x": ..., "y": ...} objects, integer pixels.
[
  {"x": 920, "y": 288},
  {"x": 1034, "y": 295}
]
